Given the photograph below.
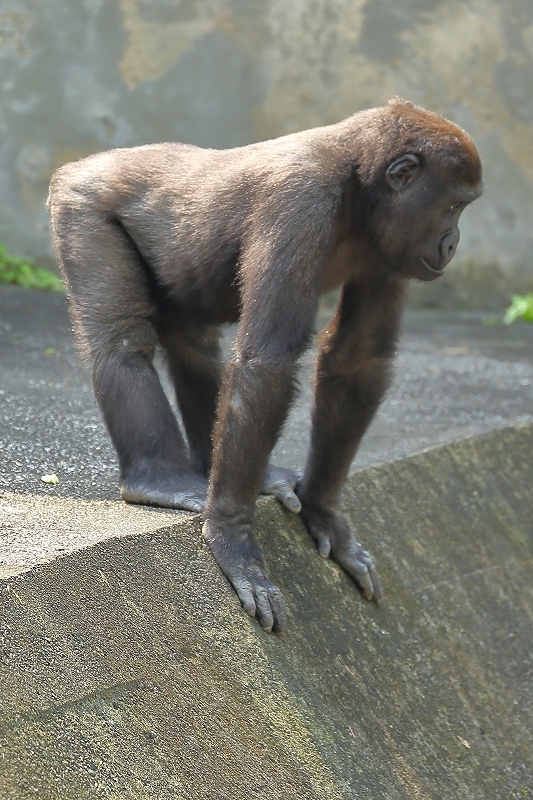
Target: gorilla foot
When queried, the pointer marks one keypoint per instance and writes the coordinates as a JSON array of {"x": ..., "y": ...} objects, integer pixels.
[
  {"x": 183, "y": 490},
  {"x": 281, "y": 482}
]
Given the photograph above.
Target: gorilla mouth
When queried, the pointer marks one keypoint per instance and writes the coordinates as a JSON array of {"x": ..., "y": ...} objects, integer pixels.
[{"x": 432, "y": 270}]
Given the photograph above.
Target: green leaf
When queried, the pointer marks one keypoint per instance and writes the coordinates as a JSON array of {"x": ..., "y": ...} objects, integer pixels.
[
  {"x": 23, "y": 272},
  {"x": 521, "y": 308}
]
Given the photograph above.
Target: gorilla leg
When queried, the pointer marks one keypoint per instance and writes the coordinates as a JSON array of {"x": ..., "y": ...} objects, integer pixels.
[
  {"x": 194, "y": 362},
  {"x": 352, "y": 375},
  {"x": 112, "y": 308},
  {"x": 154, "y": 464}
]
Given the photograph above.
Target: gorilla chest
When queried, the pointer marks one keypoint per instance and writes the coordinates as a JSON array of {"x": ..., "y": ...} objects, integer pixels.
[{"x": 343, "y": 264}]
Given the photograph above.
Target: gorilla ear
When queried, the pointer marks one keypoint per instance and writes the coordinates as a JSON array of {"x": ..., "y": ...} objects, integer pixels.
[{"x": 402, "y": 171}]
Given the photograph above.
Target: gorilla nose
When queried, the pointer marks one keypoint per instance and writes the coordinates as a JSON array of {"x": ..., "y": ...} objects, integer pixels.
[{"x": 448, "y": 246}]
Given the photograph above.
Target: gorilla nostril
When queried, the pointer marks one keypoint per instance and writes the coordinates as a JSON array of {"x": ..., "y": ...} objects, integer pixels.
[{"x": 448, "y": 244}]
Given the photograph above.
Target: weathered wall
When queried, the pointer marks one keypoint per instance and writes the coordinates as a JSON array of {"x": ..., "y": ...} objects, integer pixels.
[{"x": 79, "y": 77}]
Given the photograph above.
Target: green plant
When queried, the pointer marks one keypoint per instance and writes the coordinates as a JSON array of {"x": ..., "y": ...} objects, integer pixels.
[
  {"x": 23, "y": 272},
  {"x": 521, "y": 308}
]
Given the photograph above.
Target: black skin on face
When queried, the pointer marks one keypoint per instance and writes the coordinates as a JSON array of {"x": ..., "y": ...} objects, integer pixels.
[{"x": 163, "y": 244}]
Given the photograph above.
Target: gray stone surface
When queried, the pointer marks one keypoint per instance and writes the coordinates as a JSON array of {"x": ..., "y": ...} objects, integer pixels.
[
  {"x": 78, "y": 77},
  {"x": 128, "y": 670}
]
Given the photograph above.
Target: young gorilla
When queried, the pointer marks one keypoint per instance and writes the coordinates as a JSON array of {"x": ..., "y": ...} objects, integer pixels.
[{"x": 164, "y": 243}]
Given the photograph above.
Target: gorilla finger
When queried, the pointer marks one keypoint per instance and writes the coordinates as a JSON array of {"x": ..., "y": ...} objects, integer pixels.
[
  {"x": 192, "y": 505},
  {"x": 361, "y": 575},
  {"x": 287, "y": 497},
  {"x": 264, "y": 610},
  {"x": 376, "y": 583},
  {"x": 246, "y": 596},
  {"x": 324, "y": 546},
  {"x": 278, "y": 607},
  {"x": 364, "y": 580},
  {"x": 367, "y": 560}
]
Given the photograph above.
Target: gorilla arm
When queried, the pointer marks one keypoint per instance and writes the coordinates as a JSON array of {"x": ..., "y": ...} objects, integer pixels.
[
  {"x": 281, "y": 276},
  {"x": 352, "y": 376}
]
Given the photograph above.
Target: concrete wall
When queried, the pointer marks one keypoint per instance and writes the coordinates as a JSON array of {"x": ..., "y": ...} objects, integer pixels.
[
  {"x": 85, "y": 76},
  {"x": 129, "y": 670}
]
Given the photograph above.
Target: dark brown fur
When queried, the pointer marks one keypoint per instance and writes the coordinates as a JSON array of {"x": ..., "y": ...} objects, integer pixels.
[{"x": 164, "y": 243}]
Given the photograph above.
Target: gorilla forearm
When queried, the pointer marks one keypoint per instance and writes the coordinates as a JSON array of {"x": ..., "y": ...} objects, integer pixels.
[
  {"x": 352, "y": 374},
  {"x": 344, "y": 407},
  {"x": 242, "y": 442}
]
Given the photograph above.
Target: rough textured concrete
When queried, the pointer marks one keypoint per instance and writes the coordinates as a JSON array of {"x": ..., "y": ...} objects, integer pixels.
[
  {"x": 36, "y": 529},
  {"x": 86, "y": 76},
  {"x": 127, "y": 670}
]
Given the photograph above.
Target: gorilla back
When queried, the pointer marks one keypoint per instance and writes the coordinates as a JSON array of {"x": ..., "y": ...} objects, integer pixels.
[{"x": 161, "y": 244}]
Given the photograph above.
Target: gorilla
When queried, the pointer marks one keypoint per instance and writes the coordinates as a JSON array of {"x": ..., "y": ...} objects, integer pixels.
[{"x": 160, "y": 245}]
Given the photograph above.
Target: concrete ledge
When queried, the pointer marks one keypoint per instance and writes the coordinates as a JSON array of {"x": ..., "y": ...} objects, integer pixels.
[{"x": 127, "y": 669}]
